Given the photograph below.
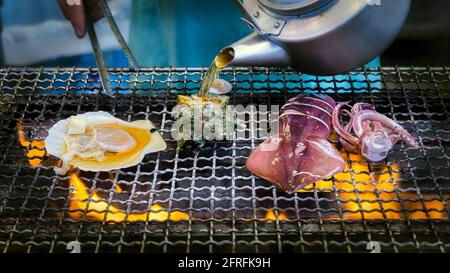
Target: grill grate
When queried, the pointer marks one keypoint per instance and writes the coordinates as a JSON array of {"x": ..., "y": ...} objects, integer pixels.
[{"x": 205, "y": 200}]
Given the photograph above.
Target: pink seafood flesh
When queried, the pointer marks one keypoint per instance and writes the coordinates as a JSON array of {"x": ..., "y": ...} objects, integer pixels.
[
  {"x": 372, "y": 133},
  {"x": 300, "y": 154}
]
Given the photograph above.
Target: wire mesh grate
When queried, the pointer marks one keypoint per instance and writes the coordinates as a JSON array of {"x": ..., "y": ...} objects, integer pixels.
[{"x": 204, "y": 200}]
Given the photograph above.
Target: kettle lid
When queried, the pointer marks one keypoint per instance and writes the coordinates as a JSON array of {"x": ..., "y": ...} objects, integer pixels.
[{"x": 292, "y": 7}]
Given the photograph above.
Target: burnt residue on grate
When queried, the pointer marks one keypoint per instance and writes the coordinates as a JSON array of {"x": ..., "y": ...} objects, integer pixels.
[{"x": 204, "y": 199}]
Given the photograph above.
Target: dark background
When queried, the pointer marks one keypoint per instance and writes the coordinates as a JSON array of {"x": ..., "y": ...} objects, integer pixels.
[{"x": 425, "y": 39}]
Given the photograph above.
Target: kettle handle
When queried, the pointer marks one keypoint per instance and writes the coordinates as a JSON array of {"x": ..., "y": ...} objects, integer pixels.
[
  {"x": 251, "y": 25},
  {"x": 243, "y": 9},
  {"x": 248, "y": 20}
]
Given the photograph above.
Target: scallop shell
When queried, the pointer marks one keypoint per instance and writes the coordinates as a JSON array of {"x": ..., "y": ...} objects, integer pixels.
[{"x": 56, "y": 146}]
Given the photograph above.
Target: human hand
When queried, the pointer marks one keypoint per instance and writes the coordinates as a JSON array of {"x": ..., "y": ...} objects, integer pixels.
[{"x": 73, "y": 10}]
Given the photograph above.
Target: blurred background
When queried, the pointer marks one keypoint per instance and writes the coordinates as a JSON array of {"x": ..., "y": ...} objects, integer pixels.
[
  {"x": 425, "y": 39},
  {"x": 35, "y": 33}
]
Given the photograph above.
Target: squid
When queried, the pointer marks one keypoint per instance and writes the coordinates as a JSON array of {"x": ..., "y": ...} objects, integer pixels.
[
  {"x": 369, "y": 132},
  {"x": 300, "y": 154}
]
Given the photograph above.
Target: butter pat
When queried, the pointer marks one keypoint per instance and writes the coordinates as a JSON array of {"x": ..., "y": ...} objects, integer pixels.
[{"x": 77, "y": 125}]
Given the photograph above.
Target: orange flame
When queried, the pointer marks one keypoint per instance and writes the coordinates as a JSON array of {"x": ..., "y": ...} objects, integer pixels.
[
  {"x": 363, "y": 194},
  {"x": 98, "y": 209},
  {"x": 373, "y": 194},
  {"x": 273, "y": 215},
  {"x": 36, "y": 147},
  {"x": 371, "y": 197}
]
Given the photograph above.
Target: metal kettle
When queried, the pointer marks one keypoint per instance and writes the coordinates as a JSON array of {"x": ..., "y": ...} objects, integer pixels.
[{"x": 319, "y": 37}]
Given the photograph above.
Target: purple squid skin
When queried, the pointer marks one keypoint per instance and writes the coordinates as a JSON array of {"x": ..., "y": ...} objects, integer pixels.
[{"x": 300, "y": 154}]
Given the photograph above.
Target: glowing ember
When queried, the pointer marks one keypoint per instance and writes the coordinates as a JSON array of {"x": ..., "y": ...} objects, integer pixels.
[
  {"x": 36, "y": 148},
  {"x": 419, "y": 210},
  {"x": 93, "y": 207},
  {"x": 369, "y": 196},
  {"x": 373, "y": 194},
  {"x": 271, "y": 215},
  {"x": 365, "y": 192}
]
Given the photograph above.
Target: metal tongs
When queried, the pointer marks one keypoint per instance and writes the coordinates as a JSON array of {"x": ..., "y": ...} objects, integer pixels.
[{"x": 104, "y": 74}]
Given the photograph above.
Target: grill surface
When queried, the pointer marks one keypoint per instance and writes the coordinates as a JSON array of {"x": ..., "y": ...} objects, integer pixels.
[{"x": 213, "y": 203}]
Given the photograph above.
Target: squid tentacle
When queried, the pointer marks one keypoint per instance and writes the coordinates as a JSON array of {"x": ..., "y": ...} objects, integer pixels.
[
  {"x": 348, "y": 146},
  {"x": 340, "y": 130},
  {"x": 369, "y": 115},
  {"x": 395, "y": 138},
  {"x": 348, "y": 126},
  {"x": 360, "y": 106}
]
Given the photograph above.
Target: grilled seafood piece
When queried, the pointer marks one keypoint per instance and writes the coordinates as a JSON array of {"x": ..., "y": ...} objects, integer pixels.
[
  {"x": 300, "y": 154},
  {"x": 97, "y": 141},
  {"x": 368, "y": 131},
  {"x": 203, "y": 118}
]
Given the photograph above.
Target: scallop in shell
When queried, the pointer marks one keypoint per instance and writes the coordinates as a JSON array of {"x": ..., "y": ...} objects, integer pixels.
[{"x": 97, "y": 141}]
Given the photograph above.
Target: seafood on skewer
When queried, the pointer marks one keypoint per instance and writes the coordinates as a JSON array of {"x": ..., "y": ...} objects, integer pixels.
[
  {"x": 300, "y": 154},
  {"x": 368, "y": 131}
]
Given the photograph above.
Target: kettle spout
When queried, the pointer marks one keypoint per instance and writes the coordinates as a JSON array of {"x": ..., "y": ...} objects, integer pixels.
[{"x": 255, "y": 50}]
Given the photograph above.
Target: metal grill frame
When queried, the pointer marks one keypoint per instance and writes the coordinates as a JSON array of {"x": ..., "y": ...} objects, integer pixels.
[{"x": 416, "y": 97}]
